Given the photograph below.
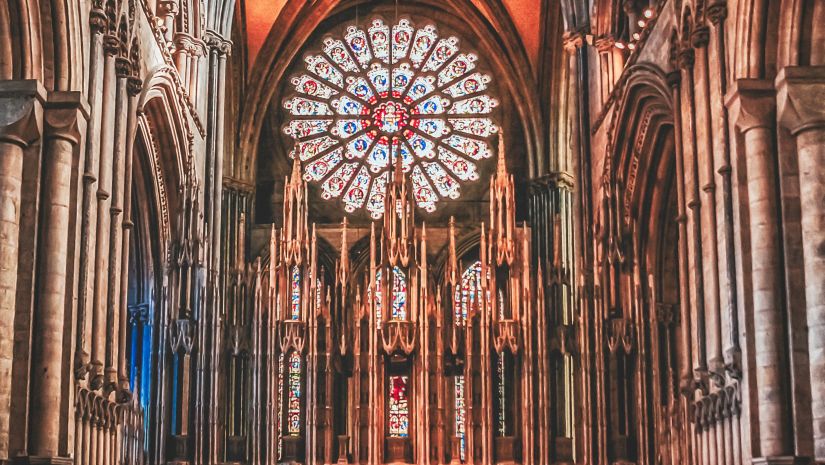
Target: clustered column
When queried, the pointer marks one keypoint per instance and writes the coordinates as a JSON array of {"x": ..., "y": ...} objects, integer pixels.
[
  {"x": 752, "y": 104},
  {"x": 800, "y": 97},
  {"x": 21, "y": 115},
  {"x": 65, "y": 120}
]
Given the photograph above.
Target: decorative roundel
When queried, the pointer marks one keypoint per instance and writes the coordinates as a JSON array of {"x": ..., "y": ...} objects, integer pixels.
[{"x": 377, "y": 94}]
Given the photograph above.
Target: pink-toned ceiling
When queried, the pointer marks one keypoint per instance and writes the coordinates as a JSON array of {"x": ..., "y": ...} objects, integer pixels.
[
  {"x": 262, "y": 14},
  {"x": 526, "y": 15}
]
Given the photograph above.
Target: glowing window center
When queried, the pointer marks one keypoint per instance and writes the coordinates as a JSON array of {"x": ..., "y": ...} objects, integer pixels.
[
  {"x": 379, "y": 92},
  {"x": 390, "y": 117}
]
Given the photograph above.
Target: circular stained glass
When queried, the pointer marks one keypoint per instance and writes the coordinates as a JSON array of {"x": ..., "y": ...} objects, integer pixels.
[{"x": 379, "y": 93}]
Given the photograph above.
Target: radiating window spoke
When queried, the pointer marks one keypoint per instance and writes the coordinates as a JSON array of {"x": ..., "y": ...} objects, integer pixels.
[{"x": 382, "y": 91}]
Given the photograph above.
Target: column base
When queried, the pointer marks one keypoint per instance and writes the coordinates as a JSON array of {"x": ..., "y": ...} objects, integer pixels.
[
  {"x": 783, "y": 460},
  {"x": 34, "y": 460}
]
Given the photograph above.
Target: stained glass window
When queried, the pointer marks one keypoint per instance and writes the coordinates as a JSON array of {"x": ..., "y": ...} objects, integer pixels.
[
  {"x": 381, "y": 92},
  {"x": 280, "y": 401},
  {"x": 319, "y": 293},
  {"x": 399, "y": 295},
  {"x": 294, "y": 402},
  {"x": 500, "y": 382},
  {"x": 460, "y": 413},
  {"x": 467, "y": 295},
  {"x": 500, "y": 378},
  {"x": 399, "y": 407},
  {"x": 295, "y": 296}
]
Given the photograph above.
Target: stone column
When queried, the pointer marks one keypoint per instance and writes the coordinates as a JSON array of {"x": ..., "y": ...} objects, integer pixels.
[
  {"x": 717, "y": 12},
  {"x": 104, "y": 189},
  {"x": 685, "y": 376},
  {"x": 800, "y": 97},
  {"x": 20, "y": 118},
  {"x": 167, "y": 10},
  {"x": 690, "y": 169},
  {"x": 64, "y": 120},
  {"x": 133, "y": 87},
  {"x": 97, "y": 22},
  {"x": 705, "y": 176},
  {"x": 751, "y": 105},
  {"x": 115, "y": 232}
]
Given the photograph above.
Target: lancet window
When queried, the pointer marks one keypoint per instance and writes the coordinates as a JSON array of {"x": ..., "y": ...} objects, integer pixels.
[
  {"x": 294, "y": 402},
  {"x": 466, "y": 297},
  {"x": 295, "y": 292},
  {"x": 399, "y": 414},
  {"x": 399, "y": 295}
]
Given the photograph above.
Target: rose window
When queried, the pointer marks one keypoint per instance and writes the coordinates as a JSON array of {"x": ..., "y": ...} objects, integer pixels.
[{"x": 382, "y": 93}]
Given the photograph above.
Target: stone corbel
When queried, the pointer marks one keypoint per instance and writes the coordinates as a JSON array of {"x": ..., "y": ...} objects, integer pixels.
[
  {"x": 717, "y": 12},
  {"x": 292, "y": 336},
  {"x": 620, "y": 335},
  {"x": 506, "y": 336},
  {"x": 22, "y": 104},
  {"x": 572, "y": 41},
  {"x": 563, "y": 340},
  {"x": 214, "y": 41},
  {"x": 800, "y": 93},
  {"x": 751, "y": 103},
  {"x": 181, "y": 336},
  {"x": 604, "y": 43},
  {"x": 700, "y": 36},
  {"x": 667, "y": 314},
  {"x": 398, "y": 336},
  {"x": 685, "y": 58}
]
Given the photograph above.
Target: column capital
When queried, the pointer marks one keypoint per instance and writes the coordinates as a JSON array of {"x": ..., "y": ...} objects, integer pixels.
[
  {"x": 800, "y": 93},
  {"x": 65, "y": 116},
  {"x": 604, "y": 43},
  {"x": 572, "y": 40},
  {"x": 700, "y": 36},
  {"x": 685, "y": 58},
  {"x": 717, "y": 12},
  {"x": 752, "y": 104},
  {"x": 21, "y": 111},
  {"x": 215, "y": 41},
  {"x": 123, "y": 67},
  {"x": 674, "y": 78},
  {"x": 111, "y": 44},
  {"x": 168, "y": 7}
]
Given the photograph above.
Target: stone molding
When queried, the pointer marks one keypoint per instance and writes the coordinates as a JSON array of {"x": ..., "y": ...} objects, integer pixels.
[
  {"x": 214, "y": 41},
  {"x": 65, "y": 112},
  {"x": 21, "y": 111},
  {"x": 751, "y": 104},
  {"x": 800, "y": 97}
]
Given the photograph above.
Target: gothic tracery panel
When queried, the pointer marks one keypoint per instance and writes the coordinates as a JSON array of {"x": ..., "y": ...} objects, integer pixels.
[{"x": 380, "y": 93}]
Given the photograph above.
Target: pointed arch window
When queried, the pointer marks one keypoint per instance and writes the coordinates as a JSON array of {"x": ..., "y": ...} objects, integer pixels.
[
  {"x": 280, "y": 402},
  {"x": 399, "y": 295},
  {"x": 295, "y": 292},
  {"x": 294, "y": 401},
  {"x": 466, "y": 296},
  {"x": 501, "y": 379},
  {"x": 386, "y": 92},
  {"x": 399, "y": 413}
]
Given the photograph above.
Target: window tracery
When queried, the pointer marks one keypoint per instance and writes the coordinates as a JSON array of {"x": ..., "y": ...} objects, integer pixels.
[
  {"x": 294, "y": 404},
  {"x": 399, "y": 414},
  {"x": 387, "y": 92},
  {"x": 399, "y": 295}
]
